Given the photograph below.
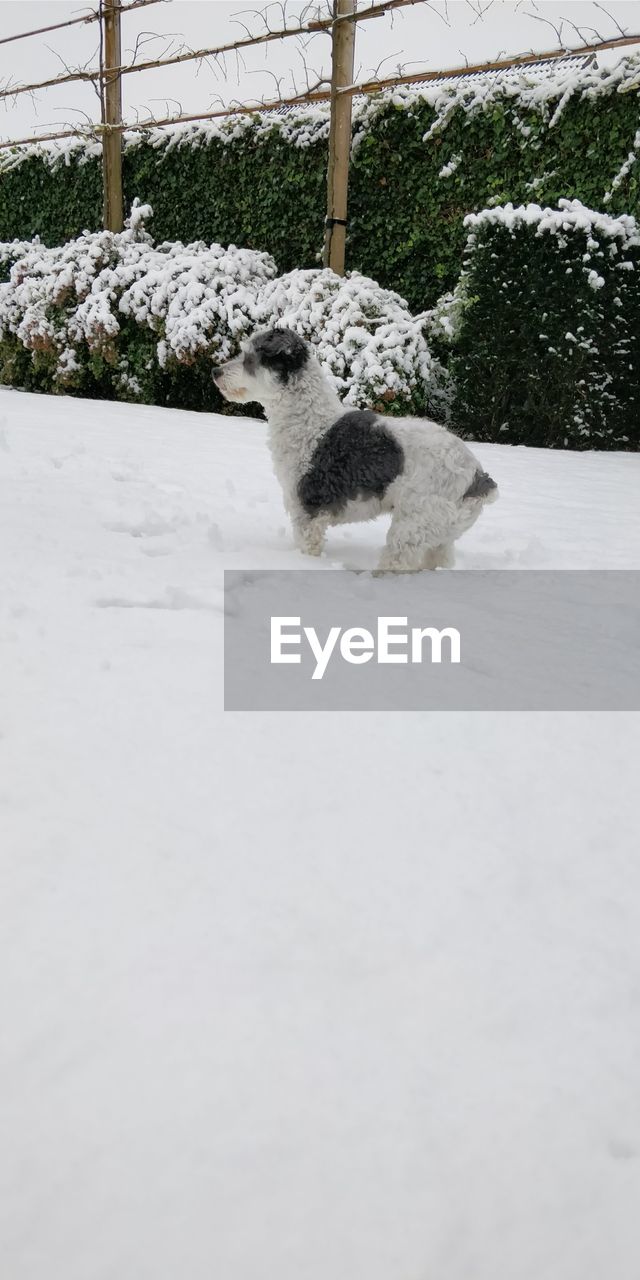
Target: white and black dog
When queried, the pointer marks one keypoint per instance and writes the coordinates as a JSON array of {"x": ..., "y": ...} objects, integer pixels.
[{"x": 336, "y": 466}]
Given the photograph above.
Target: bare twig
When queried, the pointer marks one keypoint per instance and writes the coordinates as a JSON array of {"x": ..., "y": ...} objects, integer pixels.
[
  {"x": 611, "y": 17},
  {"x": 558, "y": 30},
  {"x": 147, "y": 37},
  {"x": 479, "y": 9},
  {"x": 579, "y": 30},
  {"x": 444, "y": 17}
]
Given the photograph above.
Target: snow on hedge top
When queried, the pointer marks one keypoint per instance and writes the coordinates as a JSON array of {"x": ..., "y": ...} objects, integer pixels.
[
  {"x": 603, "y": 238},
  {"x": 546, "y": 90},
  {"x": 300, "y": 127},
  {"x": 570, "y": 216},
  {"x": 603, "y": 242}
]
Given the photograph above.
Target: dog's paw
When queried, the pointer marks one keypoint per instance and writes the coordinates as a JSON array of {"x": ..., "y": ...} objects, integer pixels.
[{"x": 313, "y": 549}]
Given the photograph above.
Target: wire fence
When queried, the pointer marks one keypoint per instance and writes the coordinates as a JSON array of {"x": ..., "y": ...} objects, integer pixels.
[{"x": 340, "y": 25}]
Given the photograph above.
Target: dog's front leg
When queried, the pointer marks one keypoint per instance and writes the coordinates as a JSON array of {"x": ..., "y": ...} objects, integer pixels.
[{"x": 309, "y": 532}]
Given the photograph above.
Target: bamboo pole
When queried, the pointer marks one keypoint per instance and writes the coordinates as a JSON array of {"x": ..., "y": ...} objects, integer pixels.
[
  {"x": 342, "y": 56},
  {"x": 111, "y": 98}
]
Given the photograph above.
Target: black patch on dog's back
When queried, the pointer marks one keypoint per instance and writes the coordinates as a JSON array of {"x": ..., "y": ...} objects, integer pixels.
[
  {"x": 282, "y": 351},
  {"x": 480, "y": 486},
  {"x": 358, "y": 457}
]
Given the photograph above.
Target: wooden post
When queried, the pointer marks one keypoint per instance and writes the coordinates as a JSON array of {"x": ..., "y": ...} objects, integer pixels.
[
  {"x": 342, "y": 55},
  {"x": 111, "y": 115}
]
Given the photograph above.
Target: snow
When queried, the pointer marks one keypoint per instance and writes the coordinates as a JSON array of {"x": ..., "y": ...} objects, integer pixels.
[
  {"x": 625, "y": 168},
  {"x": 449, "y": 169},
  {"x": 296, "y": 996},
  {"x": 570, "y": 216}
]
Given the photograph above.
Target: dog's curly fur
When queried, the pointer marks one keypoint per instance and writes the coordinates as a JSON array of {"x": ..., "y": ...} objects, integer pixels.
[{"x": 336, "y": 466}]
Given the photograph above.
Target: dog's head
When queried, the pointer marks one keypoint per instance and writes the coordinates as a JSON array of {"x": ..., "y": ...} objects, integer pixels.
[{"x": 268, "y": 362}]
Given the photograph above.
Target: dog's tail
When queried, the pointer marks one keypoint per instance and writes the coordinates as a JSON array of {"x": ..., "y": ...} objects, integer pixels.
[{"x": 482, "y": 486}]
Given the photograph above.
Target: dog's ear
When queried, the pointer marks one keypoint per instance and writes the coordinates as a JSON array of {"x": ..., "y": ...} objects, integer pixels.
[{"x": 282, "y": 351}]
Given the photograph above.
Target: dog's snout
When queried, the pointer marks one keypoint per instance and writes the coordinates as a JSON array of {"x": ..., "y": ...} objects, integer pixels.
[{"x": 216, "y": 374}]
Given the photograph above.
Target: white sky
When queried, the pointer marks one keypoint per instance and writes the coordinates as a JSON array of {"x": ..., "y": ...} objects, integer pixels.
[{"x": 418, "y": 37}]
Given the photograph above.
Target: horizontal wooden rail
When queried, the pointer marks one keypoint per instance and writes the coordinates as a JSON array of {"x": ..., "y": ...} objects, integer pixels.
[
  {"x": 469, "y": 69},
  {"x": 93, "y": 16}
]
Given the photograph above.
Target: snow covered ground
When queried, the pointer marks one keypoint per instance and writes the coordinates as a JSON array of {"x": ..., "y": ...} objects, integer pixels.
[{"x": 296, "y": 997}]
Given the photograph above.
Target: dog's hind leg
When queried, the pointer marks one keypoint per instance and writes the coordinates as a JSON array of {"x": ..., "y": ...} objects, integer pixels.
[
  {"x": 419, "y": 539},
  {"x": 443, "y": 557},
  {"x": 309, "y": 533}
]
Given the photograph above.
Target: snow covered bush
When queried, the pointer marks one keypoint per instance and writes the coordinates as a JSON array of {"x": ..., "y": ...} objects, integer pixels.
[
  {"x": 364, "y": 336},
  {"x": 440, "y": 326},
  {"x": 11, "y": 251},
  {"x": 116, "y": 316},
  {"x": 544, "y": 328}
]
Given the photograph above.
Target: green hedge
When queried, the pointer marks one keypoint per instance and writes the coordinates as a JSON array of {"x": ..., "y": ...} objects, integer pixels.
[
  {"x": 544, "y": 329},
  {"x": 261, "y": 183}
]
